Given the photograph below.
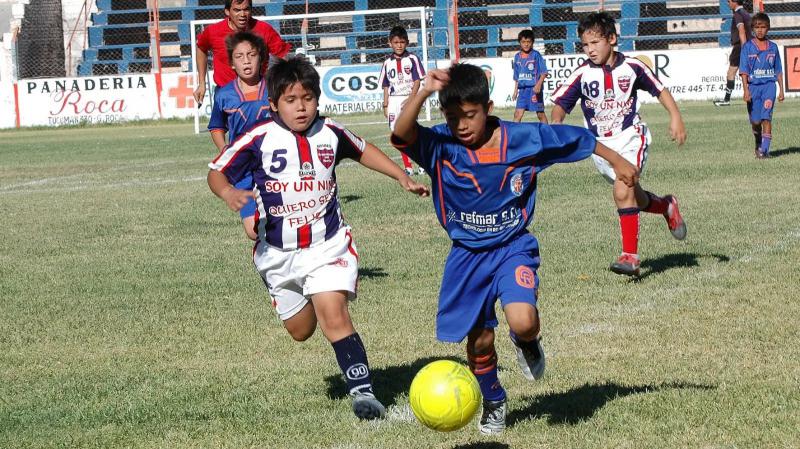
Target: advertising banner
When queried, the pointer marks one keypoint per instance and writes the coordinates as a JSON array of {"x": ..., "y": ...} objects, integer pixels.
[{"x": 97, "y": 99}]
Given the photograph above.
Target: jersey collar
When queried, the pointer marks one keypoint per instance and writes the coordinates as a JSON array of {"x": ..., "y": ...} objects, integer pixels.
[{"x": 310, "y": 130}]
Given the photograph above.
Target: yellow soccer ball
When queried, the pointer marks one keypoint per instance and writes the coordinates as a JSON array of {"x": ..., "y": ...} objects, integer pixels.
[{"x": 444, "y": 395}]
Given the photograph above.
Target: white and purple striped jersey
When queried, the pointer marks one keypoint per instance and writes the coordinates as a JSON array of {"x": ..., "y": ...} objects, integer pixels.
[
  {"x": 398, "y": 73},
  {"x": 608, "y": 94},
  {"x": 295, "y": 183}
]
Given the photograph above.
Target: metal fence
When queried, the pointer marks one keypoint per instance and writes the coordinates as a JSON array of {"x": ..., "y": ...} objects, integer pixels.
[{"x": 105, "y": 37}]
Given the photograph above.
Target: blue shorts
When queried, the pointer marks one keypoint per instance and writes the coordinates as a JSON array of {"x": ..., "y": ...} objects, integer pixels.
[
  {"x": 474, "y": 280},
  {"x": 529, "y": 100},
  {"x": 762, "y": 102},
  {"x": 249, "y": 209}
]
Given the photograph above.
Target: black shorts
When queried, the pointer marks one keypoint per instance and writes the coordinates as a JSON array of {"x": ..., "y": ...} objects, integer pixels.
[{"x": 736, "y": 51}]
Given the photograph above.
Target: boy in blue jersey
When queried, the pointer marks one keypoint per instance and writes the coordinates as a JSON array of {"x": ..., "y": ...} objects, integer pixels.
[
  {"x": 530, "y": 70},
  {"x": 241, "y": 104},
  {"x": 484, "y": 180},
  {"x": 760, "y": 67}
]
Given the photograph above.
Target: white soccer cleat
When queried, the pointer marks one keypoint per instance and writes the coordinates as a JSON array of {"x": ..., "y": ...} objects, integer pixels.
[
  {"x": 530, "y": 358},
  {"x": 493, "y": 418}
]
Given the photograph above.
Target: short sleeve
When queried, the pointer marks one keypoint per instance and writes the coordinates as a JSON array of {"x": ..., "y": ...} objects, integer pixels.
[
  {"x": 645, "y": 79},
  {"x": 744, "y": 68},
  {"x": 350, "y": 146},
  {"x": 778, "y": 66},
  {"x": 219, "y": 118},
  {"x": 568, "y": 94},
  {"x": 417, "y": 71},
  {"x": 560, "y": 143},
  {"x": 542, "y": 64},
  {"x": 204, "y": 40},
  {"x": 383, "y": 78},
  {"x": 422, "y": 151},
  {"x": 275, "y": 44},
  {"x": 237, "y": 159}
]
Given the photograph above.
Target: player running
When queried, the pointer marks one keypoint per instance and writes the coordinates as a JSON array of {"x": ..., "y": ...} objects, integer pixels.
[
  {"x": 484, "y": 174},
  {"x": 606, "y": 86},
  {"x": 305, "y": 252}
]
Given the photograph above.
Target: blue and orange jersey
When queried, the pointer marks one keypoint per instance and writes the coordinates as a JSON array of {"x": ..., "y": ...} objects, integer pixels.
[
  {"x": 528, "y": 68},
  {"x": 760, "y": 66},
  {"x": 485, "y": 198},
  {"x": 234, "y": 112}
]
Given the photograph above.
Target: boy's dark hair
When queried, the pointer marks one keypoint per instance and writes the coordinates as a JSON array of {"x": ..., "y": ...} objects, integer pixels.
[
  {"x": 600, "y": 22},
  {"x": 468, "y": 84},
  {"x": 759, "y": 17},
  {"x": 229, "y": 3},
  {"x": 293, "y": 69},
  {"x": 398, "y": 31},
  {"x": 237, "y": 38},
  {"x": 525, "y": 34}
]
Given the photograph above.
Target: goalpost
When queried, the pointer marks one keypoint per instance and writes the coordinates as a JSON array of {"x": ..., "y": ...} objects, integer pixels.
[{"x": 347, "y": 48}]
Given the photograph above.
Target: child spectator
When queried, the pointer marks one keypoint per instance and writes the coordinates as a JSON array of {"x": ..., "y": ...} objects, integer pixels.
[
  {"x": 760, "y": 67},
  {"x": 530, "y": 71}
]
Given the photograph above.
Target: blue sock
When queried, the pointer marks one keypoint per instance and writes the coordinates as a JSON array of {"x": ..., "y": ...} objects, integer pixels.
[
  {"x": 352, "y": 358},
  {"x": 766, "y": 139},
  {"x": 485, "y": 369}
]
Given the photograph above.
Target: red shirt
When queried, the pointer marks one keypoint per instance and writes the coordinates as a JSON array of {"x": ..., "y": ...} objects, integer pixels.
[{"x": 213, "y": 38}]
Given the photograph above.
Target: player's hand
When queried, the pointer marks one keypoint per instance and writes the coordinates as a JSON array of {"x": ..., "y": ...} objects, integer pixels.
[
  {"x": 237, "y": 198},
  {"x": 414, "y": 187},
  {"x": 626, "y": 172},
  {"x": 436, "y": 80},
  {"x": 747, "y": 97},
  {"x": 780, "y": 97},
  {"x": 514, "y": 96},
  {"x": 385, "y": 111},
  {"x": 677, "y": 131},
  {"x": 199, "y": 94}
]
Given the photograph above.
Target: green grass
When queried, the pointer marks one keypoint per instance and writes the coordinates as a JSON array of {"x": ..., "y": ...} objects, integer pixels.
[{"x": 132, "y": 317}]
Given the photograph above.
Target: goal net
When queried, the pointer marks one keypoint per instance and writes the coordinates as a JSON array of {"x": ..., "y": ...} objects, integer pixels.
[{"x": 347, "y": 49}]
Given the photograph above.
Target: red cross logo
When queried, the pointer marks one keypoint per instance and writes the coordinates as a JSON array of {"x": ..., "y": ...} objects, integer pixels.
[{"x": 183, "y": 94}]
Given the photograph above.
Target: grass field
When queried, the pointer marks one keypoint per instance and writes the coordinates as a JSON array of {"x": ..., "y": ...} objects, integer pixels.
[{"x": 132, "y": 316}]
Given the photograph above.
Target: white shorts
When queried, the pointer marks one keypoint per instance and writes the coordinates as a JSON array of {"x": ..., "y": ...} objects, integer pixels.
[
  {"x": 394, "y": 108},
  {"x": 292, "y": 276},
  {"x": 631, "y": 144}
]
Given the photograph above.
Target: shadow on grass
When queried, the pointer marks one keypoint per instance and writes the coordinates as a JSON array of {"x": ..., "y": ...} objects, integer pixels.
[
  {"x": 389, "y": 382},
  {"x": 483, "y": 445},
  {"x": 371, "y": 273},
  {"x": 581, "y": 403},
  {"x": 656, "y": 266},
  {"x": 344, "y": 199},
  {"x": 784, "y": 152}
]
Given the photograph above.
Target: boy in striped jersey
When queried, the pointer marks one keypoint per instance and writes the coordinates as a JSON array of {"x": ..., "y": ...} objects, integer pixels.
[
  {"x": 304, "y": 251},
  {"x": 400, "y": 77},
  {"x": 606, "y": 85}
]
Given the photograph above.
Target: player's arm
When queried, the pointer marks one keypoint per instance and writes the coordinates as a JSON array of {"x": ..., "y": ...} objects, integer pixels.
[
  {"x": 405, "y": 128},
  {"x": 742, "y": 34},
  {"x": 516, "y": 90},
  {"x": 218, "y": 138},
  {"x": 557, "y": 115},
  {"x": 202, "y": 69},
  {"x": 745, "y": 87},
  {"x": 375, "y": 159},
  {"x": 677, "y": 130},
  {"x": 233, "y": 197},
  {"x": 780, "y": 86},
  {"x": 626, "y": 172},
  {"x": 539, "y": 82}
]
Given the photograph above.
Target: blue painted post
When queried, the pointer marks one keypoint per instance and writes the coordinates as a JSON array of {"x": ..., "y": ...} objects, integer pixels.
[
  {"x": 492, "y": 41},
  {"x": 440, "y": 33},
  {"x": 95, "y": 36},
  {"x": 359, "y": 26},
  {"x": 725, "y": 26},
  {"x": 535, "y": 16},
  {"x": 628, "y": 25}
]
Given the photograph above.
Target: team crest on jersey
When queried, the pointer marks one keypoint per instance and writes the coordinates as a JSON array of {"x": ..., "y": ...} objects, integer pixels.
[
  {"x": 325, "y": 154},
  {"x": 407, "y": 69},
  {"x": 340, "y": 262},
  {"x": 609, "y": 94},
  {"x": 624, "y": 83},
  {"x": 307, "y": 171},
  {"x": 530, "y": 65},
  {"x": 516, "y": 184}
]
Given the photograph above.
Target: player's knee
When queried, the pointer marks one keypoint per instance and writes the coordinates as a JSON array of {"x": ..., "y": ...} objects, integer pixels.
[
  {"x": 525, "y": 326},
  {"x": 480, "y": 341},
  {"x": 249, "y": 228}
]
